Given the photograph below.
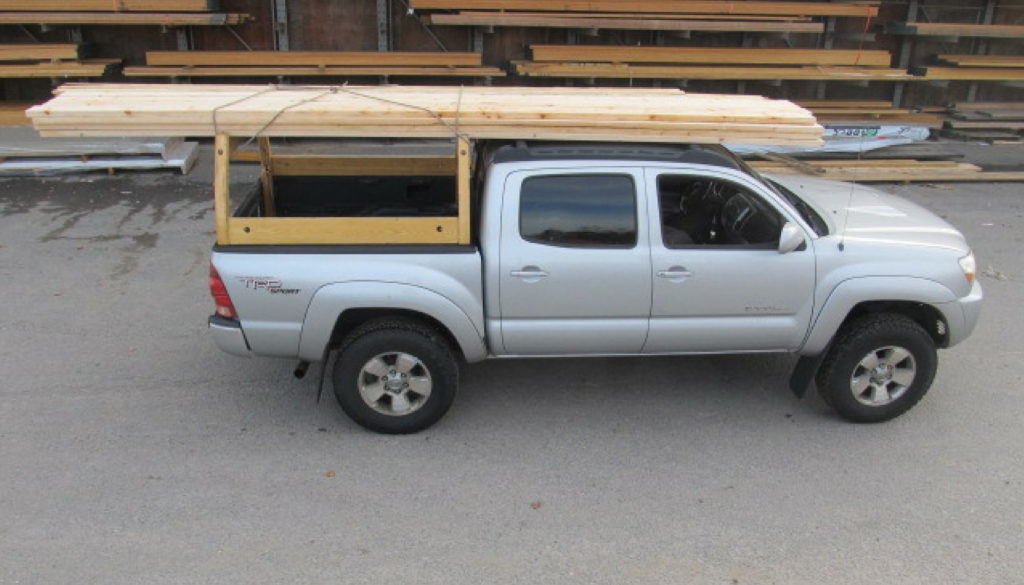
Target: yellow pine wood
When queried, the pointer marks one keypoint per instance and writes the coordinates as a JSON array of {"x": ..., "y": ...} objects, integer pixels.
[
  {"x": 622, "y": 71},
  {"x": 663, "y": 6},
  {"x": 266, "y": 156},
  {"x": 343, "y": 230},
  {"x": 843, "y": 103},
  {"x": 984, "y": 60},
  {"x": 730, "y": 55},
  {"x": 327, "y": 165},
  {"x": 13, "y": 113},
  {"x": 516, "y": 20},
  {"x": 463, "y": 157},
  {"x": 85, "y": 68},
  {"x": 38, "y": 52},
  {"x": 313, "y": 58},
  {"x": 974, "y": 74},
  {"x": 653, "y": 15},
  {"x": 222, "y": 148}
]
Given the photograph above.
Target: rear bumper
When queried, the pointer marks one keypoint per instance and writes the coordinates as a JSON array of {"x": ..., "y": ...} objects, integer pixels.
[{"x": 228, "y": 335}]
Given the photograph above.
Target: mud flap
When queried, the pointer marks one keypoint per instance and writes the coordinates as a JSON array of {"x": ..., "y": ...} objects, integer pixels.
[{"x": 804, "y": 371}]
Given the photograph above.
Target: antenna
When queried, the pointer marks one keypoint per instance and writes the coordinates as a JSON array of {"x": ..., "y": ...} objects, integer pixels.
[{"x": 849, "y": 200}]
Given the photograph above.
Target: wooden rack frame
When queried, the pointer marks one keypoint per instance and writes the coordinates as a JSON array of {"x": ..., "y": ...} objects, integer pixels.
[{"x": 339, "y": 230}]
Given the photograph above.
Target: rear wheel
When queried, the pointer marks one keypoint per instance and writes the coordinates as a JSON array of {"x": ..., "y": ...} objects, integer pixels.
[
  {"x": 395, "y": 376},
  {"x": 880, "y": 366}
]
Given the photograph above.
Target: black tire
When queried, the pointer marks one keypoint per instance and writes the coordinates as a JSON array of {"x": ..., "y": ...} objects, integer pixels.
[
  {"x": 391, "y": 342},
  {"x": 906, "y": 363}
]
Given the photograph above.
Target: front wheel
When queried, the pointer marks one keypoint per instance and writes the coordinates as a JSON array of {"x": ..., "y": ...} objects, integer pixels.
[
  {"x": 395, "y": 376},
  {"x": 880, "y": 366}
]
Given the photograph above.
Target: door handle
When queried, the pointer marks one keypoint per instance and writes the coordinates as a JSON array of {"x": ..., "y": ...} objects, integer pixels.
[
  {"x": 674, "y": 272},
  {"x": 529, "y": 272}
]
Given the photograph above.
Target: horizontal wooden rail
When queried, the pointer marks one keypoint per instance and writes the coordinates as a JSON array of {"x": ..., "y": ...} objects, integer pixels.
[
  {"x": 312, "y": 58},
  {"x": 970, "y": 74},
  {"x": 39, "y": 52},
  {"x": 327, "y": 165},
  {"x": 125, "y": 18},
  {"x": 751, "y": 56},
  {"x": 984, "y": 60},
  {"x": 650, "y": 15},
  {"x": 865, "y": 9},
  {"x": 515, "y": 20},
  {"x": 86, "y": 68},
  {"x": 340, "y": 230}
]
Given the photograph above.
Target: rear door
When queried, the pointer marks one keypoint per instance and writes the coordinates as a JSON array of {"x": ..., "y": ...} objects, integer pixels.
[{"x": 574, "y": 262}]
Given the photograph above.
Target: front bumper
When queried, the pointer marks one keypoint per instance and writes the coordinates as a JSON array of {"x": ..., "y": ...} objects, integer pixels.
[
  {"x": 228, "y": 335},
  {"x": 971, "y": 308}
]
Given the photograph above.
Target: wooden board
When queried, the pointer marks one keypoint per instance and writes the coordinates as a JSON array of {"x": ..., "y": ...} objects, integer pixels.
[
  {"x": 39, "y": 52},
  {"x": 125, "y": 18},
  {"x": 622, "y": 71},
  {"x": 638, "y": 115},
  {"x": 312, "y": 71},
  {"x": 844, "y": 103},
  {"x": 984, "y": 60},
  {"x": 13, "y": 113},
  {"x": 969, "y": 74},
  {"x": 328, "y": 165},
  {"x": 866, "y": 9},
  {"x": 653, "y": 15},
  {"x": 988, "y": 106},
  {"x": 948, "y": 29},
  {"x": 85, "y": 68},
  {"x": 515, "y": 20},
  {"x": 890, "y": 171},
  {"x": 311, "y": 58},
  {"x": 751, "y": 56},
  {"x": 342, "y": 230},
  {"x": 110, "y": 5}
]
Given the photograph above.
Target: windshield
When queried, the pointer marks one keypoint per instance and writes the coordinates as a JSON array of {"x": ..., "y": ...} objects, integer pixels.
[{"x": 806, "y": 212}]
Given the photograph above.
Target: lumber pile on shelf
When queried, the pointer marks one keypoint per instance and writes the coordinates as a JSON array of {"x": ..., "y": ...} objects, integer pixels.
[
  {"x": 23, "y": 153},
  {"x": 49, "y": 60},
  {"x": 954, "y": 29},
  {"x": 311, "y": 63},
  {"x": 632, "y": 115},
  {"x": 664, "y": 15},
  {"x": 887, "y": 170},
  {"x": 838, "y": 113},
  {"x": 708, "y": 63},
  {"x": 13, "y": 113},
  {"x": 118, "y": 12},
  {"x": 993, "y": 122}
]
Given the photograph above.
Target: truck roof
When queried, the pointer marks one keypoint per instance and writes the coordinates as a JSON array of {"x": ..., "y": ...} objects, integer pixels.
[{"x": 704, "y": 154}]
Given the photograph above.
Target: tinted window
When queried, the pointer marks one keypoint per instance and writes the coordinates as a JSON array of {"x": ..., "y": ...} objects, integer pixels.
[
  {"x": 579, "y": 211},
  {"x": 697, "y": 211}
]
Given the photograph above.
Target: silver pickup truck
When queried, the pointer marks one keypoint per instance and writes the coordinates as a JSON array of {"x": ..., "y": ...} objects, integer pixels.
[{"x": 615, "y": 250}]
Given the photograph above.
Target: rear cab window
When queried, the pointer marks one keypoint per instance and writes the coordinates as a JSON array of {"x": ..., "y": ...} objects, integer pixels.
[{"x": 579, "y": 211}]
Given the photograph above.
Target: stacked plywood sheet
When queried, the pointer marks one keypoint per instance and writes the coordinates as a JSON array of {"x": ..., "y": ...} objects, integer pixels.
[
  {"x": 634, "y": 115},
  {"x": 311, "y": 63}
]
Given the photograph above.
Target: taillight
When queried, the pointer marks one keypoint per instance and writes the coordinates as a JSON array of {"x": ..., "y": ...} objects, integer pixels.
[{"x": 220, "y": 295}]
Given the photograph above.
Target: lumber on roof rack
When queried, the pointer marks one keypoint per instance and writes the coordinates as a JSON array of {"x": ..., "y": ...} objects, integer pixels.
[
  {"x": 126, "y": 18},
  {"x": 39, "y": 52},
  {"x": 950, "y": 29},
  {"x": 863, "y": 9},
  {"x": 313, "y": 58},
  {"x": 727, "y": 55},
  {"x": 111, "y": 5},
  {"x": 620, "y": 115},
  {"x": 558, "y": 21}
]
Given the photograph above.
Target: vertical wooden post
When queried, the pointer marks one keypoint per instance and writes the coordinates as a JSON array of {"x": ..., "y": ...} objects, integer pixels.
[
  {"x": 463, "y": 155},
  {"x": 267, "y": 176},
  {"x": 222, "y": 186}
]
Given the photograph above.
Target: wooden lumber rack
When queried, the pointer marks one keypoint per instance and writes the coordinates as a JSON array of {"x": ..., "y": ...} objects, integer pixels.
[
  {"x": 236, "y": 115},
  {"x": 311, "y": 63},
  {"x": 118, "y": 12}
]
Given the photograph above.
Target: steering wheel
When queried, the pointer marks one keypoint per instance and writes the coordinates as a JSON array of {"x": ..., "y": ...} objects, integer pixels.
[{"x": 736, "y": 214}]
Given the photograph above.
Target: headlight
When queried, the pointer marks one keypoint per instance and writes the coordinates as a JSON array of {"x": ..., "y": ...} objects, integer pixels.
[{"x": 969, "y": 266}]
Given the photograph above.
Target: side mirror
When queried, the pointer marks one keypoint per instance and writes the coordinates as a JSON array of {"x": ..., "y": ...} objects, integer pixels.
[{"x": 791, "y": 238}]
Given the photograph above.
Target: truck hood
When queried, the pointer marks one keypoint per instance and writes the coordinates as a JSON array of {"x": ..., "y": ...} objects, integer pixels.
[{"x": 861, "y": 213}]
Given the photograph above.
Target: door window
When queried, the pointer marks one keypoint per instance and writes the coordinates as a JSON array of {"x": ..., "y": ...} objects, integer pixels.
[
  {"x": 579, "y": 211},
  {"x": 703, "y": 212}
]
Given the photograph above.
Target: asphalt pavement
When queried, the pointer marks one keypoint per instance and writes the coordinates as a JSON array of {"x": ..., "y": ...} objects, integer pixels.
[{"x": 132, "y": 451}]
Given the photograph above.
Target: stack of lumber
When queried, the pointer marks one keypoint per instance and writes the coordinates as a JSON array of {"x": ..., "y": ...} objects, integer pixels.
[
  {"x": 887, "y": 170},
  {"x": 601, "y": 61},
  {"x": 975, "y": 68},
  {"x": 664, "y": 15},
  {"x": 23, "y": 153},
  {"x": 310, "y": 63},
  {"x": 838, "y": 113},
  {"x": 954, "y": 29},
  {"x": 49, "y": 60},
  {"x": 117, "y": 12},
  {"x": 624, "y": 114},
  {"x": 993, "y": 122},
  {"x": 13, "y": 113}
]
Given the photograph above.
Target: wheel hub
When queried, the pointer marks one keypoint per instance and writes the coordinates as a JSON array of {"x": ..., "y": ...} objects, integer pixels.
[
  {"x": 394, "y": 382},
  {"x": 882, "y": 374}
]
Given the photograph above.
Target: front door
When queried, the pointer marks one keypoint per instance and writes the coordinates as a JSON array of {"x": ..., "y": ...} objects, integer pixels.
[
  {"x": 719, "y": 282},
  {"x": 574, "y": 263}
]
